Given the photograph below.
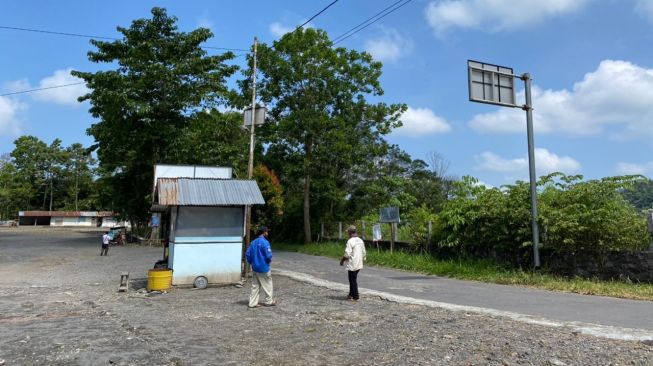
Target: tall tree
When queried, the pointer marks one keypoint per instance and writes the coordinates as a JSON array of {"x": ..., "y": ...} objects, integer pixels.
[
  {"x": 162, "y": 77},
  {"x": 78, "y": 175},
  {"x": 214, "y": 138},
  {"x": 323, "y": 123}
]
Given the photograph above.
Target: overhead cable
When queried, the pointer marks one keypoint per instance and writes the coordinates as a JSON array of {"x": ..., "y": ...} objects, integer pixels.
[
  {"x": 39, "y": 89},
  {"x": 100, "y": 37},
  {"x": 371, "y": 20}
]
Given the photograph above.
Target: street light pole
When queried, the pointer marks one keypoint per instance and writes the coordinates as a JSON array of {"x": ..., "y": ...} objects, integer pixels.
[{"x": 250, "y": 165}]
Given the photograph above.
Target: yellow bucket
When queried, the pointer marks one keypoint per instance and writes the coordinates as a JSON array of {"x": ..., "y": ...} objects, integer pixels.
[{"x": 159, "y": 279}]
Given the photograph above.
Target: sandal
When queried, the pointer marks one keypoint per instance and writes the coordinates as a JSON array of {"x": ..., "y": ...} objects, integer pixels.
[{"x": 273, "y": 303}]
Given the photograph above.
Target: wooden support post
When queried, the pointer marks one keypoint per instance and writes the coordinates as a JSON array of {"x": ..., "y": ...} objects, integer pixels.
[
  {"x": 428, "y": 239},
  {"x": 339, "y": 230},
  {"x": 392, "y": 237}
]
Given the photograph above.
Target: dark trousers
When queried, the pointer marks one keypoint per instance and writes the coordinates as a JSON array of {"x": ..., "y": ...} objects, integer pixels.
[
  {"x": 353, "y": 284},
  {"x": 105, "y": 250}
]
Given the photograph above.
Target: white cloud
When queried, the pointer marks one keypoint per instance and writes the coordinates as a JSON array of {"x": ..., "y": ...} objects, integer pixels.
[
  {"x": 9, "y": 122},
  {"x": 545, "y": 162},
  {"x": 630, "y": 168},
  {"x": 390, "y": 46},
  {"x": 66, "y": 95},
  {"x": 278, "y": 30},
  {"x": 645, "y": 8},
  {"x": 421, "y": 121},
  {"x": 617, "y": 95},
  {"x": 205, "y": 22},
  {"x": 495, "y": 15}
]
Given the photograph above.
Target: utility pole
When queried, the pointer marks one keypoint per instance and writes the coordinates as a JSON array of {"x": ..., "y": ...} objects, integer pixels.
[
  {"x": 250, "y": 166},
  {"x": 528, "y": 107}
]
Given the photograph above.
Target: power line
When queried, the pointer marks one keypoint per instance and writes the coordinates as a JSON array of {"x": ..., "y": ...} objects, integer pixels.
[
  {"x": 371, "y": 20},
  {"x": 311, "y": 18},
  {"x": 57, "y": 33},
  {"x": 316, "y": 15},
  {"x": 100, "y": 37},
  {"x": 38, "y": 89}
]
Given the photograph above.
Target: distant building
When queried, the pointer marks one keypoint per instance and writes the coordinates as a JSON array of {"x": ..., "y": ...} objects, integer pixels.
[{"x": 67, "y": 218}]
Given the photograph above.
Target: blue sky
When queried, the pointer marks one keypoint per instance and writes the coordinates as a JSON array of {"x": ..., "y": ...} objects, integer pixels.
[{"x": 591, "y": 63}]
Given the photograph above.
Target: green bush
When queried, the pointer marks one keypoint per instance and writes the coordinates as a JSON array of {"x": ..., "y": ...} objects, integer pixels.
[
  {"x": 416, "y": 230},
  {"x": 573, "y": 215},
  {"x": 590, "y": 215}
]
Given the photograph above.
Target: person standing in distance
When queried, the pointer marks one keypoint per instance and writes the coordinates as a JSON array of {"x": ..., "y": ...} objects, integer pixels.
[
  {"x": 259, "y": 256},
  {"x": 105, "y": 244},
  {"x": 355, "y": 254}
]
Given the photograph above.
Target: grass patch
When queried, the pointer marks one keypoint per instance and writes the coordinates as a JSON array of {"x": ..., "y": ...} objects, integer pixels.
[{"x": 481, "y": 270}]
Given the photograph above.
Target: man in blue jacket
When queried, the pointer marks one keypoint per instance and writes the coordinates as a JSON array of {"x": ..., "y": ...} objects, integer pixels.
[{"x": 259, "y": 256}]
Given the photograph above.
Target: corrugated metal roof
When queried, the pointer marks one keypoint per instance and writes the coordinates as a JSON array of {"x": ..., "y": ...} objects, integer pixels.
[
  {"x": 208, "y": 192},
  {"x": 67, "y": 213}
]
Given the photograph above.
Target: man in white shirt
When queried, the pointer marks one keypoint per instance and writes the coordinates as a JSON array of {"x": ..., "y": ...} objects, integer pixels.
[
  {"x": 105, "y": 244},
  {"x": 355, "y": 254}
]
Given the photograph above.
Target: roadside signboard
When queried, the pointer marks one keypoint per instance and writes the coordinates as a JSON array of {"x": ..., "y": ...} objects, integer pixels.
[
  {"x": 259, "y": 118},
  {"x": 491, "y": 84},
  {"x": 389, "y": 215},
  {"x": 376, "y": 232}
]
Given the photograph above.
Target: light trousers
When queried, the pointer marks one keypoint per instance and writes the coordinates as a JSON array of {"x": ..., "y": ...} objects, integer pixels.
[{"x": 261, "y": 281}]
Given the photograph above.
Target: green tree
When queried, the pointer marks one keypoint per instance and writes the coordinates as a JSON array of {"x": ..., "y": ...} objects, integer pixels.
[
  {"x": 39, "y": 169},
  {"x": 322, "y": 122},
  {"x": 640, "y": 194},
  {"x": 161, "y": 78},
  {"x": 214, "y": 138},
  {"x": 78, "y": 178},
  {"x": 270, "y": 214},
  {"x": 573, "y": 215},
  {"x": 395, "y": 179},
  {"x": 590, "y": 215}
]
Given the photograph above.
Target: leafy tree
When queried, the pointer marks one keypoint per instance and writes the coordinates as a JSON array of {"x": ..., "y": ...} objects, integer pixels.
[
  {"x": 573, "y": 215},
  {"x": 590, "y": 215},
  {"x": 39, "y": 167},
  {"x": 213, "y": 138},
  {"x": 640, "y": 194},
  {"x": 78, "y": 178},
  {"x": 322, "y": 122},
  {"x": 395, "y": 180},
  {"x": 161, "y": 80},
  {"x": 35, "y": 171},
  {"x": 270, "y": 214}
]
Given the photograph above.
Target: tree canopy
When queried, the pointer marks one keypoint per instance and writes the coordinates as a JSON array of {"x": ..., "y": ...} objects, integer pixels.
[
  {"x": 322, "y": 122},
  {"x": 161, "y": 81}
]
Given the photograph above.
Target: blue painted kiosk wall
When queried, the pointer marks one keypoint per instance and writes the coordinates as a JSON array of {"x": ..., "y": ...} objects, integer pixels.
[{"x": 206, "y": 241}]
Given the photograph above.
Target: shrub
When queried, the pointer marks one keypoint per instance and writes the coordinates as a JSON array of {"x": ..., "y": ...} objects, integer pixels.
[{"x": 573, "y": 215}]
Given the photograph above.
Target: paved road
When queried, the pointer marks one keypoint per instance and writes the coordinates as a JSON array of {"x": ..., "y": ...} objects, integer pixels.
[{"x": 557, "y": 306}]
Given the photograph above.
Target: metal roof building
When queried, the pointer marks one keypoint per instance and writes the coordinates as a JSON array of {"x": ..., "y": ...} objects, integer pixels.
[
  {"x": 204, "y": 219},
  {"x": 67, "y": 218},
  {"x": 207, "y": 192}
]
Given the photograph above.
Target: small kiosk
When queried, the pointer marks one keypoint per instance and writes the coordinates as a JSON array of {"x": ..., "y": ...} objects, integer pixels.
[{"x": 203, "y": 219}]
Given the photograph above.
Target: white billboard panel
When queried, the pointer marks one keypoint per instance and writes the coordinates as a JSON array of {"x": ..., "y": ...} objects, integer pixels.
[
  {"x": 191, "y": 171},
  {"x": 491, "y": 84}
]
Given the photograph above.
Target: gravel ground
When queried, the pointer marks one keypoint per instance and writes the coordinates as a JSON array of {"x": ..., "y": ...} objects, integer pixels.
[{"x": 59, "y": 306}]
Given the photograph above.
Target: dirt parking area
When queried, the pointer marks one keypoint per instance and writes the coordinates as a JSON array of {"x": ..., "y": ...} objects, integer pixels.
[{"x": 59, "y": 305}]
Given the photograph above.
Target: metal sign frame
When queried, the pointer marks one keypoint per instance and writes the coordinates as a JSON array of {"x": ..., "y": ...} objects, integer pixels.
[
  {"x": 491, "y": 84},
  {"x": 261, "y": 112},
  {"x": 389, "y": 215},
  {"x": 494, "y": 84}
]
